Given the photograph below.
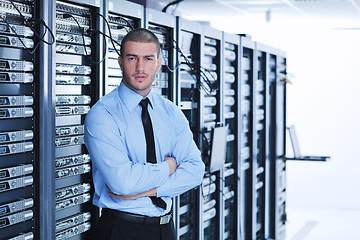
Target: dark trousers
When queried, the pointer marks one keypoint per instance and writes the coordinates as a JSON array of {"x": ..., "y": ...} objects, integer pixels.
[{"x": 110, "y": 228}]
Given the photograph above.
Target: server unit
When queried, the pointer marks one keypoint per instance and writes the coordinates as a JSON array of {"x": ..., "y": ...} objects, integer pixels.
[
  {"x": 277, "y": 136},
  {"x": 230, "y": 116},
  {"x": 247, "y": 134},
  {"x": 163, "y": 26},
  {"x": 210, "y": 115},
  {"x": 123, "y": 16},
  {"x": 76, "y": 86},
  {"x": 187, "y": 210},
  {"x": 260, "y": 123},
  {"x": 19, "y": 121}
]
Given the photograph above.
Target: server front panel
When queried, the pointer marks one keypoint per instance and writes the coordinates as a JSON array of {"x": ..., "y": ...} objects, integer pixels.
[
  {"x": 75, "y": 92},
  {"x": 188, "y": 101},
  {"x": 247, "y": 135},
  {"x": 259, "y": 167},
  {"x": 18, "y": 121},
  {"x": 230, "y": 116},
  {"x": 210, "y": 110},
  {"x": 163, "y": 26},
  {"x": 280, "y": 164},
  {"x": 120, "y": 22}
]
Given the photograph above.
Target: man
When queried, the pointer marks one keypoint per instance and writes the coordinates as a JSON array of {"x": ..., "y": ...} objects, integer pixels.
[{"x": 136, "y": 171}]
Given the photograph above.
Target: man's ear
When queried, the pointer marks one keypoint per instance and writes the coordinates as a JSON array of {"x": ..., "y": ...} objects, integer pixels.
[
  {"x": 159, "y": 61},
  {"x": 120, "y": 62}
]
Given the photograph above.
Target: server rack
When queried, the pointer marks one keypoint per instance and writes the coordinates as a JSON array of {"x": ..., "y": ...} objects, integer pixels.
[
  {"x": 260, "y": 146},
  {"x": 19, "y": 122},
  {"x": 229, "y": 182},
  {"x": 211, "y": 98},
  {"x": 247, "y": 134},
  {"x": 76, "y": 89},
  {"x": 62, "y": 78},
  {"x": 122, "y": 17},
  {"x": 163, "y": 25},
  {"x": 277, "y": 147},
  {"x": 187, "y": 214}
]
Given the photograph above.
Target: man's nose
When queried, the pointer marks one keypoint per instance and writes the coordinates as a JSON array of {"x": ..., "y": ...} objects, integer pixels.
[{"x": 140, "y": 65}]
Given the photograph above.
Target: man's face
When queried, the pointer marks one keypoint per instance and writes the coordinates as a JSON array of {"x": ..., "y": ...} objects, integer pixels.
[{"x": 139, "y": 65}]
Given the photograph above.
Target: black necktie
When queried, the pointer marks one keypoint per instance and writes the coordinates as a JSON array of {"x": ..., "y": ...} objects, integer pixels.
[{"x": 150, "y": 144}]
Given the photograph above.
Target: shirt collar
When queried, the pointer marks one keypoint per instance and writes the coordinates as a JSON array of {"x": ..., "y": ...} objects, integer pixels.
[{"x": 131, "y": 99}]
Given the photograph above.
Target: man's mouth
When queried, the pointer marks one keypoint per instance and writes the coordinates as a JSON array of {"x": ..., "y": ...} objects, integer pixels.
[{"x": 140, "y": 77}]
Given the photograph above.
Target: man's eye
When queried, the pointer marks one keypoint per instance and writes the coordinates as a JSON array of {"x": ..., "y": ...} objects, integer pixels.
[
  {"x": 149, "y": 59},
  {"x": 131, "y": 58}
]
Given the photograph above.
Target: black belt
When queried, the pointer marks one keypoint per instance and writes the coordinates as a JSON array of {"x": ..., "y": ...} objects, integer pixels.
[{"x": 131, "y": 217}]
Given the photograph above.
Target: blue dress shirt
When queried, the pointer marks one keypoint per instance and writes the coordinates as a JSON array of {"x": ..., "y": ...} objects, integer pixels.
[{"x": 115, "y": 139}]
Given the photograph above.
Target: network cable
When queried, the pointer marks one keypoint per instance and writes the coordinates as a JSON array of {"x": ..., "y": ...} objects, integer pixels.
[
  {"x": 30, "y": 22},
  {"x": 210, "y": 86},
  {"x": 195, "y": 71},
  {"x": 170, "y": 4},
  {"x": 67, "y": 15},
  {"x": 113, "y": 41}
]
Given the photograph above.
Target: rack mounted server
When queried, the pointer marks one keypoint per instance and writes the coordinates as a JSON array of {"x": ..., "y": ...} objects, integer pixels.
[{"x": 18, "y": 122}]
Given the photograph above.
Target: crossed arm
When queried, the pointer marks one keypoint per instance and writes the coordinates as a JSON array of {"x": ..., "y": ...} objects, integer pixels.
[
  {"x": 131, "y": 179},
  {"x": 150, "y": 193}
]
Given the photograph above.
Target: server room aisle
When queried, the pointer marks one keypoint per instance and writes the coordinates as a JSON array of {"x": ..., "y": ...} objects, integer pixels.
[{"x": 322, "y": 224}]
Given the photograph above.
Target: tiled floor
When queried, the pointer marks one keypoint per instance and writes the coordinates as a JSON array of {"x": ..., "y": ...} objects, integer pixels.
[{"x": 323, "y": 224}]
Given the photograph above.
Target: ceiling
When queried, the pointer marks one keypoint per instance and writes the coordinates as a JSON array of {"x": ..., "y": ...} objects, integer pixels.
[{"x": 334, "y": 10}]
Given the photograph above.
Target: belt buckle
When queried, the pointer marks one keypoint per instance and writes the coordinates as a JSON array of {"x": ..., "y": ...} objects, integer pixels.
[{"x": 165, "y": 219}]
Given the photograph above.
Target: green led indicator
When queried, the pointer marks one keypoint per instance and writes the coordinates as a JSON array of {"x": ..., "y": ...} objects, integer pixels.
[
  {"x": 2, "y": 187},
  {"x": 3, "y": 137},
  {"x": 4, "y": 210},
  {"x": 3, "y": 113},
  {"x": 3, "y": 40},
  {"x": 3, "y": 76},
  {"x": 2, "y": 150},
  {"x": 2, "y": 222},
  {"x": 3, "y": 28},
  {"x": 3, "y": 174},
  {"x": 3, "y": 101},
  {"x": 3, "y": 64}
]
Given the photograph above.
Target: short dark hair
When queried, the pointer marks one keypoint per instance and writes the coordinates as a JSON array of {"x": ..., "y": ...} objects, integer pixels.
[{"x": 140, "y": 35}]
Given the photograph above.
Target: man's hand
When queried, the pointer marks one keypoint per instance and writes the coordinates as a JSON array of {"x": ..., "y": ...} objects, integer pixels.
[
  {"x": 149, "y": 193},
  {"x": 172, "y": 164}
]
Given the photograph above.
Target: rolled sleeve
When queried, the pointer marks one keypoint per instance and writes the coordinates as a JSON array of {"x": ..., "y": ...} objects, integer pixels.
[
  {"x": 109, "y": 154},
  {"x": 190, "y": 170}
]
